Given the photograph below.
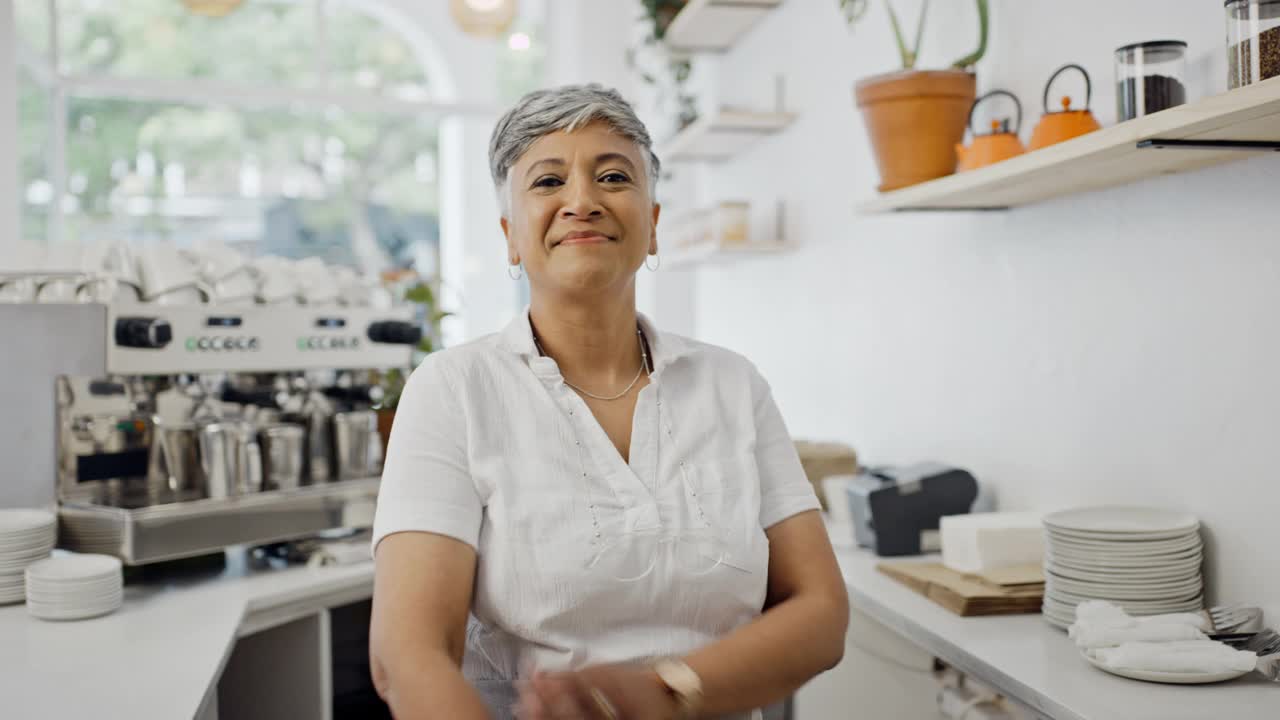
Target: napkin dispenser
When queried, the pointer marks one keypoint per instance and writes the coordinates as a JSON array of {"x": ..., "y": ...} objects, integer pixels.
[{"x": 896, "y": 510}]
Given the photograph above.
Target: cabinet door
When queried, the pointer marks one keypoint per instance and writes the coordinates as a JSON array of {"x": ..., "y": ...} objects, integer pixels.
[{"x": 281, "y": 672}]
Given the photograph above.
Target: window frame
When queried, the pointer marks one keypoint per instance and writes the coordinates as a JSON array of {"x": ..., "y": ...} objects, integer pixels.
[{"x": 47, "y": 70}]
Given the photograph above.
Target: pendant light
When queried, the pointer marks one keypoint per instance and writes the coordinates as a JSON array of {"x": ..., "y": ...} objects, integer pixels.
[
  {"x": 212, "y": 8},
  {"x": 483, "y": 18}
]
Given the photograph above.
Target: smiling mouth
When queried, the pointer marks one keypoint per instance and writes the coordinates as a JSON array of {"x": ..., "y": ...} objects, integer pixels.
[{"x": 592, "y": 239}]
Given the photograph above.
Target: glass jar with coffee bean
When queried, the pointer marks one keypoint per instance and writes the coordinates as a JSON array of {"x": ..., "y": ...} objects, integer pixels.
[
  {"x": 1253, "y": 41},
  {"x": 1150, "y": 77}
]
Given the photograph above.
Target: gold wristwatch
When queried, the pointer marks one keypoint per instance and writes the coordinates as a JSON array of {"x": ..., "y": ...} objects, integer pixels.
[{"x": 683, "y": 684}]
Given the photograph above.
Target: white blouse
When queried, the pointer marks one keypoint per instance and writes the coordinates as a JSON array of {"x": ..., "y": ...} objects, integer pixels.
[{"x": 584, "y": 558}]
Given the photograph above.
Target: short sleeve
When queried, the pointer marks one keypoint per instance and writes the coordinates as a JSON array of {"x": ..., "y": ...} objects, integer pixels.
[
  {"x": 784, "y": 489},
  {"x": 426, "y": 481}
]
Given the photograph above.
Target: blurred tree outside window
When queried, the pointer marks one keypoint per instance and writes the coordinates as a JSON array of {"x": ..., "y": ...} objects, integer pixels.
[{"x": 351, "y": 181}]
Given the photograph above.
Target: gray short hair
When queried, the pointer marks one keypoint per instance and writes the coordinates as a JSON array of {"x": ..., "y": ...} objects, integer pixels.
[{"x": 567, "y": 108}]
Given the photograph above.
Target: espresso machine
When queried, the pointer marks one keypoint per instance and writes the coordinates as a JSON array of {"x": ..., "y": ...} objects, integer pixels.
[{"x": 170, "y": 431}]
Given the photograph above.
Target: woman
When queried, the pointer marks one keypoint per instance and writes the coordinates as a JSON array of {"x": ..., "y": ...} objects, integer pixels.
[{"x": 583, "y": 516}]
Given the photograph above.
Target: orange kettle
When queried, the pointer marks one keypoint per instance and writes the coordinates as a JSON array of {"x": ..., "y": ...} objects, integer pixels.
[
  {"x": 1064, "y": 124},
  {"x": 999, "y": 144}
]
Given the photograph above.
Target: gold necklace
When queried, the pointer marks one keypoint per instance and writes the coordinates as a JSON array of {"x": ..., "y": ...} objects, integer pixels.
[{"x": 644, "y": 364}]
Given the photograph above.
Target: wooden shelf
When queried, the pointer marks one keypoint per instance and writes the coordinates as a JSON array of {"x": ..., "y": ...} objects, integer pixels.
[
  {"x": 1107, "y": 157},
  {"x": 712, "y": 254},
  {"x": 715, "y": 25},
  {"x": 721, "y": 136}
]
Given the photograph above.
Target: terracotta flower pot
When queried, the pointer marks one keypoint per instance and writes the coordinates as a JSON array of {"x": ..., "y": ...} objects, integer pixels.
[
  {"x": 915, "y": 119},
  {"x": 385, "y": 418}
]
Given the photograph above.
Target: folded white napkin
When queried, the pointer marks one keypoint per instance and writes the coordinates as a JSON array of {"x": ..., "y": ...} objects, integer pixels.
[
  {"x": 1090, "y": 636},
  {"x": 1186, "y": 656},
  {"x": 1102, "y": 614}
]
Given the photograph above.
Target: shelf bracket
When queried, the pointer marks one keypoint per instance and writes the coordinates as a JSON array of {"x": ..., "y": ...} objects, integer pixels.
[{"x": 1245, "y": 145}]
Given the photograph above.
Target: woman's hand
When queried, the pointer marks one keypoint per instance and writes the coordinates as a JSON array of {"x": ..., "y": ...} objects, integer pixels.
[{"x": 602, "y": 692}]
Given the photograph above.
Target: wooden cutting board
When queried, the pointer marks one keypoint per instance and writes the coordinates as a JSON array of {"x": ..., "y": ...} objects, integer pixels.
[{"x": 970, "y": 594}]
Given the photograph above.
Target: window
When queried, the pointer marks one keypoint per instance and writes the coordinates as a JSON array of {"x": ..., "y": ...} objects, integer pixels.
[{"x": 289, "y": 127}]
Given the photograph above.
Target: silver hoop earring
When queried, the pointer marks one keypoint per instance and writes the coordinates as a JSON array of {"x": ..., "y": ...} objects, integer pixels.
[
  {"x": 515, "y": 275},
  {"x": 655, "y": 266}
]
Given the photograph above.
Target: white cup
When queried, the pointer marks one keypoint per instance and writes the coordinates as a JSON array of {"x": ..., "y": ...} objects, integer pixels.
[
  {"x": 317, "y": 284},
  {"x": 57, "y": 289},
  {"x": 275, "y": 280},
  {"x": 167, "y": 277},
  {"x": 349, "y": 287},
  {"x": 17, "y": 289},
  {"x": 216, "y": 261},
  {"x": 102, "y": 289},
  {"x": 116, "y": 258},
  {"x": 185, "y": 295},
  {"x": 238, "y": 288}
]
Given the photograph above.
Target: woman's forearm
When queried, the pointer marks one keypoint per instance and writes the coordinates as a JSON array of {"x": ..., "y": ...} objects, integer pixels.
[
  {"x": 433, "y": 689},
  {"x": 766, "y": 660}
]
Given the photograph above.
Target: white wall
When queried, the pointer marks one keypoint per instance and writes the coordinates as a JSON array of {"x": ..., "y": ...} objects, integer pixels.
[{"x": 1117, "y": 347}]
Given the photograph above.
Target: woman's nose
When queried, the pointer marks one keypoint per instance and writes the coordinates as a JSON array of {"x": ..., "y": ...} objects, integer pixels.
[{"x": 581, "y": 201}]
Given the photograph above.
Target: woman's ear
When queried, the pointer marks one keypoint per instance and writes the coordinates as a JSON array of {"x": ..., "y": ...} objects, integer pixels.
[
  {"x": 513, "y": 257},
  {"x": 653, "y": 235}
]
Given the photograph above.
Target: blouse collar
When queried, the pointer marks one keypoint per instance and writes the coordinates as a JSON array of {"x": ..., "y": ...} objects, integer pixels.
[{"x": 665, "y": 348}]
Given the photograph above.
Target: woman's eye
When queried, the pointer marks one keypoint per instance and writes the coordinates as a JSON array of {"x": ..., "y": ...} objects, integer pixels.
[
  {"x": 614, "y": 177},
  {"x": 548, "y": 181}
]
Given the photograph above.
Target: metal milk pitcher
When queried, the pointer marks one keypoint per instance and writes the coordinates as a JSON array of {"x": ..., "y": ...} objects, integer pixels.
[
  {"x": 358, "y": 445},
  {"x": 230, "y": 458}
]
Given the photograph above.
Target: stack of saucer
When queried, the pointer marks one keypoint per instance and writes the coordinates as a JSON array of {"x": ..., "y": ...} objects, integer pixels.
[
  {"x": 1145, "y": 560},
  {"x": 71, "y": 586},
  {"x": 25, "y": 537}
]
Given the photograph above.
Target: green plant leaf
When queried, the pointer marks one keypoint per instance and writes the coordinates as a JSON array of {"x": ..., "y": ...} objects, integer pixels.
[
  {"x": 924, "y": 13},
  {"x": 972, "y": 58},
  {"x": 908, "y": 60},
  {"x": 421, "y": 294}
]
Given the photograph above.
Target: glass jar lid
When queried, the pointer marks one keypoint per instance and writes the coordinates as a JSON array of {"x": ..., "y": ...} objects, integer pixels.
[
  {"x": 1244, "y": 9},
  {"x": 1153, "y": 51}
]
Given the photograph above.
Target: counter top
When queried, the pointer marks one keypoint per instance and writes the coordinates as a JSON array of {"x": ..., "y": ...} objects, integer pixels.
[
  {"x": 160, "y": 654},
  {"x": 1024, "y": 658}
]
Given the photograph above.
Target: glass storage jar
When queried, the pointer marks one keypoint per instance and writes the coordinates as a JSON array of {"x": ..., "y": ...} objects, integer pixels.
[
  {"x": 1150, "y": 77},
  {"x": 1253, "y": 41}
]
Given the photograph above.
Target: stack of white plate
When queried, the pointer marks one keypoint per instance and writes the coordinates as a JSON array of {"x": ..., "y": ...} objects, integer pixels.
[
  {"x": 25, "y": 537},
  {"x": 72, "y": 586},
  {"x": 1145, "y": 560}
]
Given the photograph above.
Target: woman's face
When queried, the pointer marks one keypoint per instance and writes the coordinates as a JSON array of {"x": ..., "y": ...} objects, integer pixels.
[{"x": 582, "y": 218}]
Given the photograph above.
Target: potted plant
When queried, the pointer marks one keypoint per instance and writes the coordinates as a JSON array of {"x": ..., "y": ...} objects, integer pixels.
[
  {"x": 914, "y": 117},
  {"x": 662, "y": 69},
  {"x": 423, "y": 294}
]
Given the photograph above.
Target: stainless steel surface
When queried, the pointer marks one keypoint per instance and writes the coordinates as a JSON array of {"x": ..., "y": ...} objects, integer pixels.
[
  {"x": 282, "y": 455},
  {"x": 357, "y": 443},
  {"x": 91, "y": 377},
  {"x": 1235, "y": 618},
  {"x": 230, "y": 458},
  {"x": 176, "y": 530},
  {"x": 317, "y": 417},
  {"x": 176, "y": 458}
]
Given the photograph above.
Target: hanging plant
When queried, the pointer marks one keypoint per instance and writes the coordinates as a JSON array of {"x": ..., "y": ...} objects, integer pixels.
[
  {"x": 671, "y": 74},
  {"x": 661, "y": 13}
]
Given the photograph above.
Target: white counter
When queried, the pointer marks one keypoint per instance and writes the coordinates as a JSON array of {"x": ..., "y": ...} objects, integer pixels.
[
  {"x": 1026, "y": 659},
  {"x": 160, "y": 656}
]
